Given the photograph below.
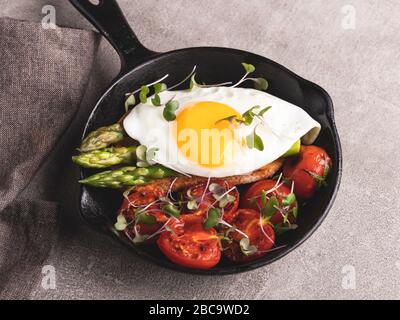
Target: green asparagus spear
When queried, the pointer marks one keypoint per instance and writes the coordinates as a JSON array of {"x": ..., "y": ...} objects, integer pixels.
[
  {"x": 102, "y": 138},
  {"x": 128, "y": 176},
  {"x": 106, "y": 157}
]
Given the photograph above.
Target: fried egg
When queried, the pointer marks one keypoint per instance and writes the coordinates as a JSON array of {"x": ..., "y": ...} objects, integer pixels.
[{"x": 204, "y": 141}]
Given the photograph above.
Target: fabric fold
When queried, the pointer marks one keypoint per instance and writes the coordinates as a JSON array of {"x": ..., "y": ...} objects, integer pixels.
[
  {"x": 42, "y": 80},
  {"x": 43, "y": 77}
]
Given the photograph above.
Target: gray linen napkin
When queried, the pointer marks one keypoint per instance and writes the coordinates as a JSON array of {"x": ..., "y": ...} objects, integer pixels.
[{"x": 43, "y": 76}]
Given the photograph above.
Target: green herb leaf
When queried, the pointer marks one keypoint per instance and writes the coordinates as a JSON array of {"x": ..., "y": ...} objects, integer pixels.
[
  {"x": 139, "y": 238},
  {"x": 225, "y": 200},
  {"x": 320, "y": 181},
  {"x": 269, "y": 210},
  {"x": 230, "y": 119},
  {"x": 172, "y": 210},
  {"x": 192, "y": 205},
  {"x": 230, "y": 230},
  {"x": 170, "y": 109},
  {"x": 129, "y": 102},
  {"x": 192, "y": 82},
  {"x": 248, "y": 67},
  {"x": 121, "y": 223},
  {"x": 156, "y": 101},
  {"x": 212, "y": 219},
  {"x": 264, "y": 199},
  {"x": 289, "y": 199},
  {"x": 248, "y": 116},
  {"x": 260, "y": 84},
  {"x": 254, "y": 141},
  {"x": 151, "y": 154},
  {"x": 261, "y": 113},
  {"x": 144, "y": 91},
  {"x": 159, "y": 87},
  {"x": 141, "y": 152},
  {"x": 217, "y": 189},
  {"x": 169, "y": 229},
  {"x": 144, "y": 218},
  {"x": 224, "y": 238},
  {"x": 246, "y": 248}
]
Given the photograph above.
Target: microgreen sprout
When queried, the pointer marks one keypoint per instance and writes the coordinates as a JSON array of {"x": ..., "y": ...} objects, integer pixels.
[
  {"x": 156, "y": 100},
  {"x": 289, "y": 199},
  {"x": 193, "y": 83},
  {"x": 259, "y": 83},
  {"x": 213, "y": 218},
  {"x": 131, "y": 101},
  {"x": 169, "y": 192},
  {"x": 145, "y": 156},
  {"x": 247, "y": 117},
  {"x": 144, "y": 91},
  {"x": 184, "y": 80},
  {"x": 230, "y": 119},
  {"x": 164, "y": 227},
  {"x": 158, "y": 88},
  {"x": 170, "y": 109},
  {"x": 320, "y": 180},
  {"x": 206, "y": 188},
  {"x": 248, "y": 67},
  {"x": 270, "y": 208},
  {"x": 143, "y": 217},
  {"x": 171, "y": 210},
  {"x": 246, "y": 248},
  {"x": 270, "y": 205},
  {"x": 121, "y": 223},
  {"x": 254, "y": 141},
  {"x": 233, "y": 228},
  {"x": 147, "y": 85},
  {"x": 192, "y": 204},
  {"x": 263, "y": 231},
  {"x": 221, "y": 196}
]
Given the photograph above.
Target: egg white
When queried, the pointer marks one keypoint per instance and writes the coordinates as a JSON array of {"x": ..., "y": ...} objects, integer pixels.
[{"x": 281, "y": 127}]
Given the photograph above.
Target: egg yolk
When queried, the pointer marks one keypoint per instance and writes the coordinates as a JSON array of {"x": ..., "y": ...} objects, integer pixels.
[{"x": 203, "y": 138}]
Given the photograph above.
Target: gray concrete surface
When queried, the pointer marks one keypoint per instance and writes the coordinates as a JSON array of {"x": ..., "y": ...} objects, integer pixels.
[{"x": 359, "y": 67}]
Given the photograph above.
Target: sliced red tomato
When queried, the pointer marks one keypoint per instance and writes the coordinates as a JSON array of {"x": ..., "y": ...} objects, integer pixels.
[
  {"x": 144, "y": 195},
  {"x": 149, "y": 218},
  {"x": 308, "y": 170},
  {"x": 188, "y": 244},
  {"x": 252, "y": 198},
  {"x": 205, "y": 199},
  {"x": 261, "y": 236}
]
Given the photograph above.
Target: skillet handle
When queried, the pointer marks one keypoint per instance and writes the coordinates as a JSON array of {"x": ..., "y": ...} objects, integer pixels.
[{"x": 107, "y": 17}]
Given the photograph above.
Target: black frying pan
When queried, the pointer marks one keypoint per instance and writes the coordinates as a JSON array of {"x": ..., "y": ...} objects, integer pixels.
[{"x": 215, "y": 65}]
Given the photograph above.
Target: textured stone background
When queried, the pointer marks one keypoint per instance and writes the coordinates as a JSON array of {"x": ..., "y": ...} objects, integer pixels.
[{"x": 359, "y": 67}]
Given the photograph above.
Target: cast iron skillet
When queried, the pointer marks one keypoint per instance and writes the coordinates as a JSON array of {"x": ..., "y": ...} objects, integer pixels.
[{"x": 215, "y": 65}]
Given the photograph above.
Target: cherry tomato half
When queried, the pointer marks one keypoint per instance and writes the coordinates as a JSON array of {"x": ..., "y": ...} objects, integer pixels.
[
  {"x": 259, "y": 232},
  {"x": 151, "y": 218},
  {"x": 308, "y": 170},
  {"x": 252, "y": 198},
  {"x": 205, "y": 199},
  {"x": 188, "y": 244}
]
